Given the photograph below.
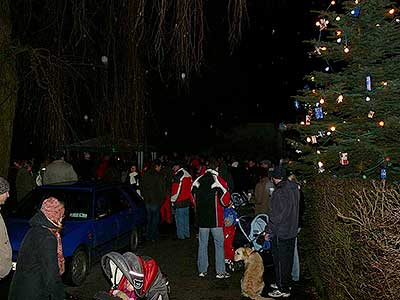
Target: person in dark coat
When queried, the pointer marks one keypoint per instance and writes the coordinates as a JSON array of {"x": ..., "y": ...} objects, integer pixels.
[
  {"x": 284, "y": 224},
  {"x": 40, "y": 260},
  {"x": 154, "y": 191}
]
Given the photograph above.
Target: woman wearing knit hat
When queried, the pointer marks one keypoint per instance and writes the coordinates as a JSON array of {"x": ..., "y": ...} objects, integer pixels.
[{"x": 40, "y": 258}]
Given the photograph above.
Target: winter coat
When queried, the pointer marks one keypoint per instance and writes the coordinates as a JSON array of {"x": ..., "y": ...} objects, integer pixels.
[
  {"x": 25, "y": 182},
  {"x": 5, "y": 250},
  {"x": 153, "y": 187},
  {"x": 285, "y": 203},
  {"x": 37, "y": 276},
  {"x": 59, "y": 171},
  {"x": 181, "y": 194},
  {"x": 261, "y": 197},
  {"x": 211, "y": 195}
]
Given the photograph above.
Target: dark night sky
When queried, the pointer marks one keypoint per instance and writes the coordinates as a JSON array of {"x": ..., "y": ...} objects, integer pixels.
[{"x": 252, "y": 85}]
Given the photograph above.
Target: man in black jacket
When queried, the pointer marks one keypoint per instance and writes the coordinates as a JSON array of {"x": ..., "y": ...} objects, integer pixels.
[
  {"x": 283, "y": 225},
  {"x": 211, "y": 195}
]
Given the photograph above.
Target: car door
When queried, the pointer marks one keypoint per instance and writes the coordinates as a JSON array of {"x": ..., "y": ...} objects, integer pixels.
[
  {"x": 106, "y": 221},
  {"x": 124, "y": 213}
]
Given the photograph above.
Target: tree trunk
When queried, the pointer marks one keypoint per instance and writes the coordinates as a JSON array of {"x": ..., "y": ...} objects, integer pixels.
[{"x": 8, "y": 87}]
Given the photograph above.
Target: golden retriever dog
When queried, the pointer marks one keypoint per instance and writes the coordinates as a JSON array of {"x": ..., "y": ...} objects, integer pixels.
[{"x": 252, "y": 282}]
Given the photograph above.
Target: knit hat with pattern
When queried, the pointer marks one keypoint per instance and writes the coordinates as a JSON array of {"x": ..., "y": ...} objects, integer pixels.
[{"x": 4, "y": 186}]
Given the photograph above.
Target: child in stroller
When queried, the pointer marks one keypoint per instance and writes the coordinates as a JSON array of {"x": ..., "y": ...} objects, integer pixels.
[{"x": 133, "y": 277}]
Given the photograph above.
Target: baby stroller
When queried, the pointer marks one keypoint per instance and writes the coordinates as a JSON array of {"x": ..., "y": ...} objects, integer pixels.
[
  {"x": 133, "y": 277},
  {"x": 251, "y": 232},
  {"x": 253, "y": 229}
]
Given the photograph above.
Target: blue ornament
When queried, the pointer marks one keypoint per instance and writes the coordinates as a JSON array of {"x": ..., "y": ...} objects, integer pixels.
[
  {"x": 368, "y": 83},
  {"x": 356, "y": 11},
  {"x": 319, "y": 114},
  {"x": 383, "y": 173},
  {"x": 297, "y": 104}
]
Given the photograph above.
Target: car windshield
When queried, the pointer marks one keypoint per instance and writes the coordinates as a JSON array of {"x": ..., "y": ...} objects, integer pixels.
[{"x": 77, "y": 203}]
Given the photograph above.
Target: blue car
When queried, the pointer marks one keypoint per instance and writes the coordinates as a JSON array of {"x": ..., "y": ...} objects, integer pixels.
[{"x": 99, "y": 218}]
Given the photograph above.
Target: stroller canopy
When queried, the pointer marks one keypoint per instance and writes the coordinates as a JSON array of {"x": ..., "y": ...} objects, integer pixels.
[{"x": 131, "y": 266}]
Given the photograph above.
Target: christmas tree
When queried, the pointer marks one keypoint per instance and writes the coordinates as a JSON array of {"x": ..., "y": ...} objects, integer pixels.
[{"x": 351, "y": 101}]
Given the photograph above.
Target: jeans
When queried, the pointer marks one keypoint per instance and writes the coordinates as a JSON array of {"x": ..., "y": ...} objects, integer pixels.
[
  {"x": 282, "y": 252},
  {"x": 296, "y": 264},
  {"x": 153, "y": 221},
  {"x": 202, "y": 259},
  {"x": 182, "y": 222}
]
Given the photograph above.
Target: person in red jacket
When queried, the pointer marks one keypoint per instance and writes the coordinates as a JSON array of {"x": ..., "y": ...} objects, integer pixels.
[{"x": 181, "y": 199}]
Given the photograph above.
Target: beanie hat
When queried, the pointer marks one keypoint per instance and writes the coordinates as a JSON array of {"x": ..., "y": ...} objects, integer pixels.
[
  {"x": 53, "y": 210},
  {"x": 4, "y": 186},
  {"x": 278, "y": 173}
]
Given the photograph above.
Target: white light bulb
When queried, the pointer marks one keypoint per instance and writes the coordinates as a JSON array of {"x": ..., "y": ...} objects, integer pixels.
[
  {"x": 367, "y": 99},
  {"x": 104, "y": 59},
  {"x": 85, "y": 117},
  {"x": 337, "y": 18},
  {"x": 318, "y": 152},
  {"x": 183, "y": 76},
  {"x": 327, "y": 69},
  {"x": 339, "y": 40},
  {"x": 353, "y": 12}
]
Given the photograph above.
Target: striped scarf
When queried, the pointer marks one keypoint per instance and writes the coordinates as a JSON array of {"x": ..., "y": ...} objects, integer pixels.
[{"x": 60, "y": 256}]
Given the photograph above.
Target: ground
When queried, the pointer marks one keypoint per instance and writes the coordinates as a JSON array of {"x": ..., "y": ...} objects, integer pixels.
[{"x": 177, "y": 259}]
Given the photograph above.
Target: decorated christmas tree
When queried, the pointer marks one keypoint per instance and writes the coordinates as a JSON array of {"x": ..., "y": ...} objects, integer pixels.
[{"x": 351, "y": 101}]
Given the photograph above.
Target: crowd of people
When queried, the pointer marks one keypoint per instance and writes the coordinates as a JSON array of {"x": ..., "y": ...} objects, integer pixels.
[{"x": 172, "y": 187}]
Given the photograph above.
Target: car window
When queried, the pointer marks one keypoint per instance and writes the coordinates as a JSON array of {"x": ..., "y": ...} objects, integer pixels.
[
  {"x": 77, "y": 203},
  {"x": 110, "y": 201},
  {"x": 132, "y": 194}
]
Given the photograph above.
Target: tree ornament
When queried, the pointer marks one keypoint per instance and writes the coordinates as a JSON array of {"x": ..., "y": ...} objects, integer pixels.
[
  {"x": 322, "y": 24},
  {"x": 368, "y": 83},
  {"x": 356, "y": 11},
  {"x": 383, "y": 173},
  {"x": 381, "y": 124},
  {"x": 344, "y": 158},
  {"x": 314, "y": 139},
  {"x": 319, "y": 113},
  {"x": 371, "y": 114},
  {"x": 321, "y": 168},
  {"x": 339, "y": 99},
  {"x": 308, "y": 119},
  {"x": 297, "y": 104}
]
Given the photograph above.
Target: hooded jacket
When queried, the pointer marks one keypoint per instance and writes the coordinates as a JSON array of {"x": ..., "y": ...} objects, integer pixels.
[
  {"x": 284, "y": 218},
  {"x": 37, "y": 276}
]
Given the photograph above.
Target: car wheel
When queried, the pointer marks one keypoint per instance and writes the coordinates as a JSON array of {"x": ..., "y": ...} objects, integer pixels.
[
  {"x": 134, "y": 240},
  {"x": 78, "y": 267}
]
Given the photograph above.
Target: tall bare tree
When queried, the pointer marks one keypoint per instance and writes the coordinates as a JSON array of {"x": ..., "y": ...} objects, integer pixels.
[{"x": 8, "y": 87}]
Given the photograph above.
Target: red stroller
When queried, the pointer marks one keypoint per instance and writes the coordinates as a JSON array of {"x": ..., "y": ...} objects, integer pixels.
[{"x": 133, "y": 277}]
